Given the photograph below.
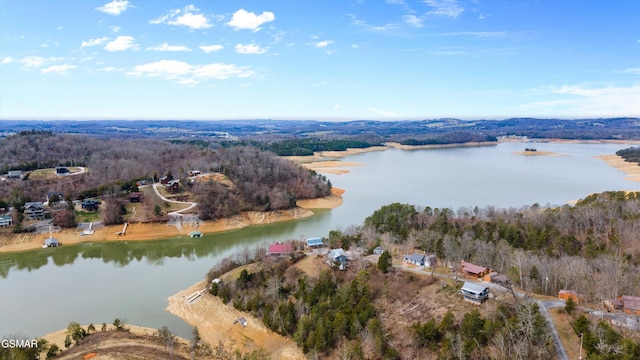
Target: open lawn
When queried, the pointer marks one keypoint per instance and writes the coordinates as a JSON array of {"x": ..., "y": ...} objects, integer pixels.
[
  {"x": 87, "y": 216},
  {"x": 48, "y": 174}
]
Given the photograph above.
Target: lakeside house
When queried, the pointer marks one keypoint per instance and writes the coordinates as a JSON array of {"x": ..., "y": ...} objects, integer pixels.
[
  {"x": 34, "y": 210},
  {"x": 6, "y": 220},
  {"x": 195, "y": 234},
  {"x": 472, "y": 270},
  {"x": 570, "y": 294},
  {"x": 279, "y": 249},
  {"x": 474, "y": 293},
  {"x": 172, "y": 186},
  {"x": 135, "y": 197},
  {"x": 314, "y": 242},
  {"x": 90, "y": 205},
  {"x": 337, "y": 256}
]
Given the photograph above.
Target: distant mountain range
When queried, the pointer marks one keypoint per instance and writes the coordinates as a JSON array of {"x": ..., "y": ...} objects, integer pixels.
[{"x": 609, "y": 128}]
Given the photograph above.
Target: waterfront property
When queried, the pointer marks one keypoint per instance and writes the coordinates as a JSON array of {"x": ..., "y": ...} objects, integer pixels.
[
  {"x": 337, "y": 256},
  {"x": 474, "y": 293},
  {"x": 51, "y": 242},
  {"x": 278, "y": 249},
  {"x": 314, "y": 242},
  {"x": 6, "y": 220},
  {"x": 34, "y": 210},
  {"x": 195, "y": 234}
]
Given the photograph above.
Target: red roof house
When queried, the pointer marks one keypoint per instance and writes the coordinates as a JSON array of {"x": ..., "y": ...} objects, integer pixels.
[
  {"x": 280, "y": 249},
  {"x": 472, "y": 270}
]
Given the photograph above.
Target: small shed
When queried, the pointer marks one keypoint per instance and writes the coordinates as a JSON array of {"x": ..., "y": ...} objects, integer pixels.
[
  {"x": 474, "y": 293},
  {"x": 570, "y": 294},
  {"x": 195, "y": 234},
  {"x": 314, "y": 242},
  {"x": 378, "y": 250}
]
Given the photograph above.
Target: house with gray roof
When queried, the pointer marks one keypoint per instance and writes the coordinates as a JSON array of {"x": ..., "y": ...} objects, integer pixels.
[
  {"x": 414, "y": 259},
  {"x": 474, "y": 293}
]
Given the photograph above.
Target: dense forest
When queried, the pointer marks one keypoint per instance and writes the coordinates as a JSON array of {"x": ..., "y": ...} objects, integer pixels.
[
  {"x": 258, "y": 180},
  {"x": 630, "y": 154}
]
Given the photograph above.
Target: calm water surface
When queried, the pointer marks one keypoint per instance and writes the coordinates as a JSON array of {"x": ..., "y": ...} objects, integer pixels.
[{"x": 43, "y": 290}]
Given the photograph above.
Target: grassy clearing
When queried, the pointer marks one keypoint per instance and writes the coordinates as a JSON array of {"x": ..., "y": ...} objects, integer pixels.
[{"x": 87, "y": 216}]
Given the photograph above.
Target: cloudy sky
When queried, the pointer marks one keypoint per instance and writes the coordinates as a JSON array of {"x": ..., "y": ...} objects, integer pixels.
[{"x": 319, "y": 59}]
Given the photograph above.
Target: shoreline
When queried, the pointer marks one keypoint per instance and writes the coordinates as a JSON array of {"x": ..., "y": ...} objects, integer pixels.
[
  {"x": 631, "y": 170},
  {"x": 216, "y": 324},
  {"x": 164, "y": 230}
]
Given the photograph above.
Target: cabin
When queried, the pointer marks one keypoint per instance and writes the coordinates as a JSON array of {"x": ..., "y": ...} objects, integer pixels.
[
  {"x": 474, "y": 293},
  {"x": 90, "y": 205},
  {"x": 6, "y": 220},
  {"x": 195, "y": 234},
  {"x": 164, "y": 180},
  {"x": 62, "y": 170},
  {"x": 55, "y": 196},
  {"x": 194, "y": 173},
  {"x": 34, "y": 210},
  {"x": 474, "y": 271},
  {"x": 278, "y": 249},
  {"x": 172, "y": 186},
  {"x": 570, "y": 294},
  {"x": 337, "y": 256},
  {"x": 414, "y": 259},
  {"x": 630, "y": 304},
  {"x": 496, "y": 278},
  {"x": 51, "y": 242},
  {"x": 135, "y": 197},
  {"x": 378, "y": 250},
  {"x": 14, "y": 174},
  {"x": 314, "y": 242}
]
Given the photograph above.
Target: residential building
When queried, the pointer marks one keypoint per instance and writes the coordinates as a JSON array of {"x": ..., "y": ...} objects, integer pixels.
[
  {"x": 414, "y": 259},
  {"x": 472, "y": 270},
  {"x": 6, "y": 220},
  {"x": 14, "y": 174},
  {"x": 314, "y": 242},
  {"x": 378, "y": 250},
  {"x": 474, "y": 293},
  {"x": 570, "y": 294},
  {"x": 278, "y": 249},
  {"x": 34, "y": 211}
]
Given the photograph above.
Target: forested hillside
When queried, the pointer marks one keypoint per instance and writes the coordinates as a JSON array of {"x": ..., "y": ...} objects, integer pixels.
[
  {"x": 630, "y": 154},
  {"x": 261, "y": 181}
]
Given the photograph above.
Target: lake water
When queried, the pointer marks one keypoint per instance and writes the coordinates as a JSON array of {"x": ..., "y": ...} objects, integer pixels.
[{"x": 43, "y": 290}]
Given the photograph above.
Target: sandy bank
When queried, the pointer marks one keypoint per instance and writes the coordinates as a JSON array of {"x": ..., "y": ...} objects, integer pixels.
[
  {"x": 537, "y": 153},
  {"x": 156, "y": 231},
  {"x": 215, "y": 324},
  {"x": 59, "y": 336},
  {"x": 632, "y": 170}
]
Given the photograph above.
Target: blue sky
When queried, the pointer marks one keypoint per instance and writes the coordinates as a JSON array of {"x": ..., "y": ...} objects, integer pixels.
[{"x": 319, "y": 59}]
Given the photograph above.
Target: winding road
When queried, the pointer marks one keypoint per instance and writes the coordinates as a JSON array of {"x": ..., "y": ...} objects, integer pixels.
[{"x": 177, "y": 212}]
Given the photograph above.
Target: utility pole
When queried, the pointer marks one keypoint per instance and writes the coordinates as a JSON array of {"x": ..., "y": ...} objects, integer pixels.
[{"x": 580, "y": 355}]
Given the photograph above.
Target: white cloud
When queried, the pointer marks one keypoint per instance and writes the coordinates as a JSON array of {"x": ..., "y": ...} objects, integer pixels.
[
  {"x": 189, "y": 74},
  {"x": 121, "y": 43},
  {"x": 94, "y": 42},
  {"x": 587, "y": 101},
  {"x": 58, "y": 69},
  {"x": 383, "y": 112},
  {"x": 250, "y": 49},
  {"x": 167, "y": 47},
  {"x": 116, "y": 7},
  {"x": 336, "y": 106},
  {"x": 189, "y": 16},
  {"x": 115, "y": 29},
  {"x": 323, "y": 44},
  {"x": 108, "y": 68},
  {"x": 448, "y": 8},
  {"x": 373, "y": 28},
  {"x": 211, "y": 48},
  {"x": 59, "y": 28},
  {"x": 635, "y": 71},
  {"x": 6, "y": 60},
  {"x": 355, "y": 46},
  {"x": 33, "y": 61},
  {"x": 413, "y": 21},
  {"x": 243, "y": 19}
]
